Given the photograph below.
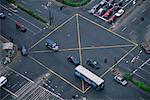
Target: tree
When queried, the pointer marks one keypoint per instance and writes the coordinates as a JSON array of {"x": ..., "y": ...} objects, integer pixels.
[{"x": 12, "y": 1}]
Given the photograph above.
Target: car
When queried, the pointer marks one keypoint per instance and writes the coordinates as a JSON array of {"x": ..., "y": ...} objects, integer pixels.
[
  {"x": 121, "y": 80},
  {"x": 92, "y": 63},
  {"x": 112, "y": 19},
  {"x": 120, "y": 12},
  {"x": 51, "y": 45},
  {"x": 146, "y": 47},
  {"x": 3, "y": 81},
  {"x": 24, "y": 51},
  {"x": 13, "y": 8},
  {"x": 106, "y": 15},
  {"x": 20, "y": 27},
  {"x": 94, "y": 8},
  {"x": 2, "y": 15},
  {"x": 102, "y": 2},
  {"x": 73, "y": 60},
  {"x": 75, "y": 97},
  {"x": 100, "y": 12}
]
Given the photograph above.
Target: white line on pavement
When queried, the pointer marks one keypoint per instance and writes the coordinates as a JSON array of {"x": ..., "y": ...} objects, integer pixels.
[
  {"x": 141, "y": 98},
  {"x": 21, "y": 17},
  {"x": 20, "y": 74},
  {"x": 127, "y": 4},
  {"x": 133, "y": 19},
  {"x": 38, "y": 10},
  {"x": 10, "y": 92},
  {"x": 26, "y": 27},
  {"x": 143, "y": 10},
  {"x": 124, "y": 29},
  {"x": 5, "y": 97},
  {"x": 142, "y": 77},
  {"x": 145, "y": 70},
  {"x": 109, "y": 97}
]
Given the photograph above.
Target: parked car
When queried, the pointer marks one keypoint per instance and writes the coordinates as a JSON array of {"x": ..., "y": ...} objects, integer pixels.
[
  {"x": 146, "y": 47},
  {"x": 106, "y": 15},
  {"x": 101, "y": 11},
  {"x": 51, "y": 45},
  {"x": 120, "y": 80},
  {"x": 92, "y": 63},
  {"x": 120, "y": 12},
  {"x": 73, "y": 60},
  {"x": 3, "y": 80},
  {"x": 20, "y": 27},
  {"x": 94, "y": 8},
  {"x": 24, "y": 51},
  {"x": 103, "y": 2},
  {"x": 13, "y": 8},
  {"x": 112, "y": 19},
  {"x": 2, "y": 15}
]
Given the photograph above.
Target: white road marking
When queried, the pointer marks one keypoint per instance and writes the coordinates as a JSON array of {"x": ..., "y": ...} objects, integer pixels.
[
  {"x": 23, "y": 2},
  {"x": 143, "y": 10},
  {"x": 141, "y": 98},
  {"x": 21, "y": 17},
  {"x": 133, "y": 19},
  {"x": 124, "y": 29},
  {"x": 38, "y": 10},
  {"x": 127, "y": 4},
  {"x": 25, "y": 27},
  {"x": 148, "y": 26},
  {"x": 5, "y": 97},
  {"x": 142, "y": 77},
  {"x": 109, "y": 97},
  {"x": 20, "y": 74},
  {"x": 9, "y": 92},
  {"x": 145, "y": 70}
]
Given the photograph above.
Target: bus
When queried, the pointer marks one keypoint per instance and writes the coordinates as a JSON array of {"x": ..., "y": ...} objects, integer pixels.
[{"x": 89, "y": 77}]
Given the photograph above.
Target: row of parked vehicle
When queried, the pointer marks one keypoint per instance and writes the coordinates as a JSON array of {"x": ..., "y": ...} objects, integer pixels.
[{"x": 108, "y": 10}]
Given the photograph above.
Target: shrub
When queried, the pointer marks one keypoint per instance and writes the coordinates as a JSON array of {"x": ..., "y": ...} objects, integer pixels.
[{"x": 76, "y": 4}]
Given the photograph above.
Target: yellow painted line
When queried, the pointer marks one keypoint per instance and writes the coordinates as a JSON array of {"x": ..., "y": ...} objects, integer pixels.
[
  {"x": 107, "y": 46},
  {"x": 118, "y": 62},
  {"x": 55, "y": 73},
  {"x": 51, "y": 32},
  {"x": 108, "y": 30},
  {"x": 79, "y": 45},
  {"x": 87, "y": 89},
  {"x": 84, "y": 48}
]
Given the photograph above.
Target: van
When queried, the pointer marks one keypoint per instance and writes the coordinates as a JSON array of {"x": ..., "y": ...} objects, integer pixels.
[
  {"x": 51, "y": 45},
  {"x": 3, "y": 80}
]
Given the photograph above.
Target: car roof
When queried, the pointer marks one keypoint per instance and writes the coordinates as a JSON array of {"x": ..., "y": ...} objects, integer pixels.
[{"x": 49, "y": 41}]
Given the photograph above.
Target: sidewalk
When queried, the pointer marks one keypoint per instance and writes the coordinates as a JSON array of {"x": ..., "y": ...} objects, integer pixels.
[{"x": 10, "y": 54}]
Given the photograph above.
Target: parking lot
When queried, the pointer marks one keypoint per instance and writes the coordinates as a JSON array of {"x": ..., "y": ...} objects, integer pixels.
[{"x": 111, "y": 10}]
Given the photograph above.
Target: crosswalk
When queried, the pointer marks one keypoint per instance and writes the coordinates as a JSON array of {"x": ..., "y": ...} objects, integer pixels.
[
  {"x": 23, "y": 88},
  {"x": 41, "y": 93}
]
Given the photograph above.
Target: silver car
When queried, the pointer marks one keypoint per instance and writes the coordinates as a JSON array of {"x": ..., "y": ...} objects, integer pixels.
[{"x": 120, "y": 80}]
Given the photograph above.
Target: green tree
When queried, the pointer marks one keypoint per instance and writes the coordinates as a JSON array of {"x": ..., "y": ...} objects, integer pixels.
[{"x": 12, "y": 1}]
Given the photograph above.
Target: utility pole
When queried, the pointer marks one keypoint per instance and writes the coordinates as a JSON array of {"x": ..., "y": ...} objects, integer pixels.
[{"x": 49, "y": 12}]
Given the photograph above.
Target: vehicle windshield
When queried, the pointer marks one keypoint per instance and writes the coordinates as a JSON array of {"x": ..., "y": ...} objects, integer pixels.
[{"x": 54, "y": 44}]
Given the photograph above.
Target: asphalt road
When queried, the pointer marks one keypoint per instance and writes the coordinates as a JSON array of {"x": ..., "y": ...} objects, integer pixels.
[{"x": 38, "y": 64}]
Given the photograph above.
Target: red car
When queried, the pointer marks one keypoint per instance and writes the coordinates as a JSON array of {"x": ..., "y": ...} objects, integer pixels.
[
  {"x": 20, "y": 27},
  {"x": 106, "y": 15},
  {"x": 112, "y": 19},
  {"x": 146, "y": 47}
]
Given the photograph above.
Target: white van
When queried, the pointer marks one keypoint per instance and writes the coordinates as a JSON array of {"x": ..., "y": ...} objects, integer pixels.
[{"x": 3, "y": 80}]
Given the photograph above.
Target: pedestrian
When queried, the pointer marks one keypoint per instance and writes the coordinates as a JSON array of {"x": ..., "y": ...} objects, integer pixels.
[
  {"x": 105, "y": 61},
  {"x": 142, "y": 19},
  {"x": 61, "y": 8}
]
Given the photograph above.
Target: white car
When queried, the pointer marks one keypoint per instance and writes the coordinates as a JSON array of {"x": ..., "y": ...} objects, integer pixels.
[
  {"x": 100, "y": 11},
  {"x": 92, "y": 11},
  {"x": 3, "y": 80},
  {"x": 120, "y": 12},
  {"x": 120, "y": 80},
  {"x": 102, "y": 2}
]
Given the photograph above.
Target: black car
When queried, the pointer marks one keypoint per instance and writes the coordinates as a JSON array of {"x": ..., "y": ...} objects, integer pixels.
[
  {"x": 73, "y": 60},
  {"x": 92, "y": 63},
  {"x": 2, "y": 15},
  {"x": 24, "y": 51}
]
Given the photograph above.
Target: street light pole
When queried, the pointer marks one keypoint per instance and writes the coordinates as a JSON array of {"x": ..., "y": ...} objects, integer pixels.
[{"x": 49, "y": 13}]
